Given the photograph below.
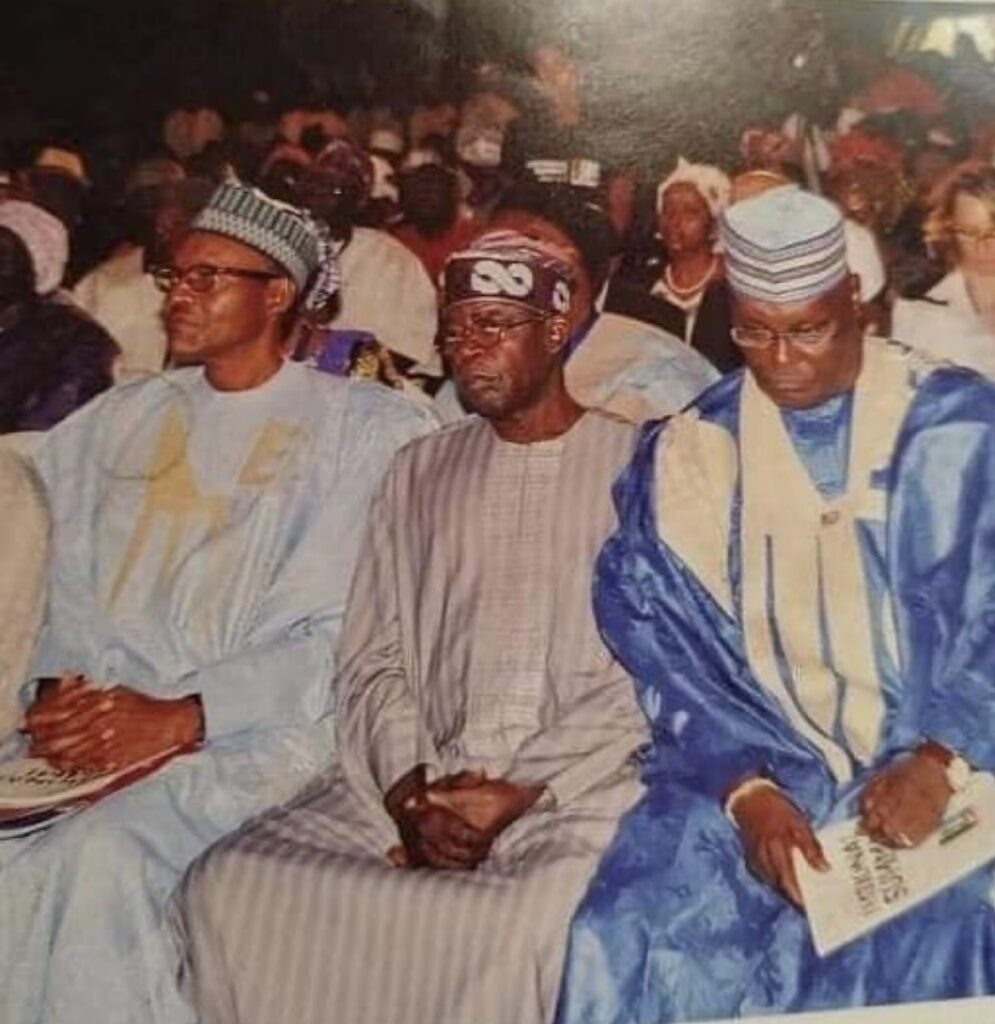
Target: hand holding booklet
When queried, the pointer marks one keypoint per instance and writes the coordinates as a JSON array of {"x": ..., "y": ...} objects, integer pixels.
[{"x": 869, "y": 884}]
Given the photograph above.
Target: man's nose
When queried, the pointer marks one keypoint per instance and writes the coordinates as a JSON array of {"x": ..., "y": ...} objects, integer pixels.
[
  {"x": 782, "y": 351},
  {"x": 470, "y": 346},
  {"x": 466, "y": 353},
  {"x": 181, "y": 294}
]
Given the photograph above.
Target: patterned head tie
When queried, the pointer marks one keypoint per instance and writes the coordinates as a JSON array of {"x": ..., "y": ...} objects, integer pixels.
[
  {"x": 784, "y": 246},
  {"x": 290, "y": 237},
  {"x": 508, "y": 266}
]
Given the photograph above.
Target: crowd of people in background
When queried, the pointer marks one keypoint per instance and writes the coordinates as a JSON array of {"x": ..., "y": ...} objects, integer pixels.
[{"x": 400, "y": 186}]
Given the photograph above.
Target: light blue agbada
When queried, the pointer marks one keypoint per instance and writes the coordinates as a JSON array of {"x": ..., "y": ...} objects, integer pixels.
[
  {"x": 674, "y": 927},
  {"x": 203, "y": 542}
]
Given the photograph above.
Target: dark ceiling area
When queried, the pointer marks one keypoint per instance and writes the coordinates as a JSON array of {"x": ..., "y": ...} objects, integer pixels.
[{"x": 84, "y": 66}]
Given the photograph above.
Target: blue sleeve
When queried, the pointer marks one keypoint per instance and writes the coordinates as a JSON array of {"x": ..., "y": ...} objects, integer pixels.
[
  {"x": 712, "y": 723},
  {"x": 942, "y": 548}
]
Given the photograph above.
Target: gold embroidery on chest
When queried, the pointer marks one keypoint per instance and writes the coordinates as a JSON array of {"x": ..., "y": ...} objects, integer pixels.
[
  {"x": 171, "y": 494},
  {"x": 269, "y": 453}
]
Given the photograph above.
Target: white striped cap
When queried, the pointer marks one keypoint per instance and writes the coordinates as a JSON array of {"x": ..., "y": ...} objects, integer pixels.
[{"x": 784, "y": 246}]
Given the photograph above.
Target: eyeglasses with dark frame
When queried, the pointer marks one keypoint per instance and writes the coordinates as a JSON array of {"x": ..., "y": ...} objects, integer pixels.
[
  {"x": 204, "y": 277},
  {"x": 488, "y": 333},
  {"x": 804, "y": 338}
]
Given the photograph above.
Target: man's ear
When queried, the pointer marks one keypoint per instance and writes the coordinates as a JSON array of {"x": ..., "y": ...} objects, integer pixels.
[
  {"x": 557, "y": 333},
  {"x": 280, "y": 295}
]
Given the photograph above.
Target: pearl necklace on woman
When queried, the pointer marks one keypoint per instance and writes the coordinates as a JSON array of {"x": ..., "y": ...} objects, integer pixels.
[{"x": 689, "y": 292}]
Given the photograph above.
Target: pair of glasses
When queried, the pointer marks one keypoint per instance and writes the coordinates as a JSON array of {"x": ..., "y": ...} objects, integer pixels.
[
  {"x": 204, "y": 277},
  {"x": 486, "y": 333},
  {"x": 804, "y": 338},
  {"x": 975, "y": 235}
]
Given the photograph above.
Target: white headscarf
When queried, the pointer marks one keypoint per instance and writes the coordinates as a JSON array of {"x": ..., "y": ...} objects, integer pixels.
[
  {"x": 712, "y": 184},
  {"x": 45, "y": 238}
]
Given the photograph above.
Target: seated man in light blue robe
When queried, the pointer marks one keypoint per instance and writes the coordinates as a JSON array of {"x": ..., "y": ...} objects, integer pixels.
[
  {"x": 803, "y": 587},
  {"x": 205, "y": 525}
]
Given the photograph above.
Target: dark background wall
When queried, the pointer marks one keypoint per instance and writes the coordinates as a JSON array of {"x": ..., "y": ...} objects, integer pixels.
[{"x": 79, "y": 66}]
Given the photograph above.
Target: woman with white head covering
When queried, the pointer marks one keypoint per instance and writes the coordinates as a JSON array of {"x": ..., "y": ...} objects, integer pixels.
[
  {"x": 688, "y": 204},
  {"x": 53, "y": 357},
  {"x": 688, "y": 295}
]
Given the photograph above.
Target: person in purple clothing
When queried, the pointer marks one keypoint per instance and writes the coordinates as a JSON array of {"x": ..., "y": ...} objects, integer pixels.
[{"x": 53, "y": 357}]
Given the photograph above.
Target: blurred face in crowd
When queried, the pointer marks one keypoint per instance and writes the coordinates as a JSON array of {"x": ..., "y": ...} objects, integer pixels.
[
  {"x": 212, "y": 316},
  {"x": 503, "y": 355},
  {"x": 869, "y": 193},
  {"x": 331, "y": 198},
  {"x": 804, "y": 353},
  {"x": 554, "y": 67},
  {"x": 283, "y": 180},
  {"x": 531, "y": 226},
  {"x": 170, "y": 221},
  {"x": 850, "y": 194},
  {"x": 429, "y": 198},
  {"x": 489, "y": 107},
  {"x": 929, "y": 165},
  {"x": 17, "y": 276},
  {"x": 559, "y": 76},
  {"x": 61, "y": 194},
  {"x": 163, "y": 214},
  {"x": 433, "y": 119},
  {"x": 685, "y": 222},
  {"x": 973, "y": 227}
]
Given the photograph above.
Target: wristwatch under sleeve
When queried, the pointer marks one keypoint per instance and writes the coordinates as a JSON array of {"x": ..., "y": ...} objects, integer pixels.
[
  {"x": 744, "y": 789},
  {"x": 957, "y": 770},
  {"x": 958, "y": 773}
]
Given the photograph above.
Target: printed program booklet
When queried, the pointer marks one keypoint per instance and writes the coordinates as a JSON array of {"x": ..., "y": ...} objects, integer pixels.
[
  {"x": 870, "y": 884},
  {"x": 34, "y": 793},
  {"x": 31, "y": 782},
  {"x": 17, "y": 823}
]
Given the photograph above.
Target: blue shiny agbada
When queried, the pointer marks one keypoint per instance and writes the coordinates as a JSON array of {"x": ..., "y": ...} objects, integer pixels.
[{"x": 674, "y": 927}]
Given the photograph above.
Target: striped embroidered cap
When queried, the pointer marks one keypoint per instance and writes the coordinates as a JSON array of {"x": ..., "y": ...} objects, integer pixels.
[
  {"x": 289, "y": 236},
  {"x": 508, "y": 266},
  {"x": 784, "y": 246}
]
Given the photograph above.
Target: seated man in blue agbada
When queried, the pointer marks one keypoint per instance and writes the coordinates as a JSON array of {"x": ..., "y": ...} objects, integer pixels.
[
  {"x": 803, "y": 586},
  {"x": 205, "y": 525}
]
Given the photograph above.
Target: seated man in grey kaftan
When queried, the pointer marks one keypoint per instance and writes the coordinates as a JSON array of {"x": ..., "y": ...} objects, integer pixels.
[
  {"x": 205, "y": 526},
  {"x": 486, "y": 736}
]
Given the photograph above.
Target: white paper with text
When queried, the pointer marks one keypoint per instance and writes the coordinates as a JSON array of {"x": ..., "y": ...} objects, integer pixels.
[
  {"x": 31, "y": 782},
  {"x": 870, "y": 884}
]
